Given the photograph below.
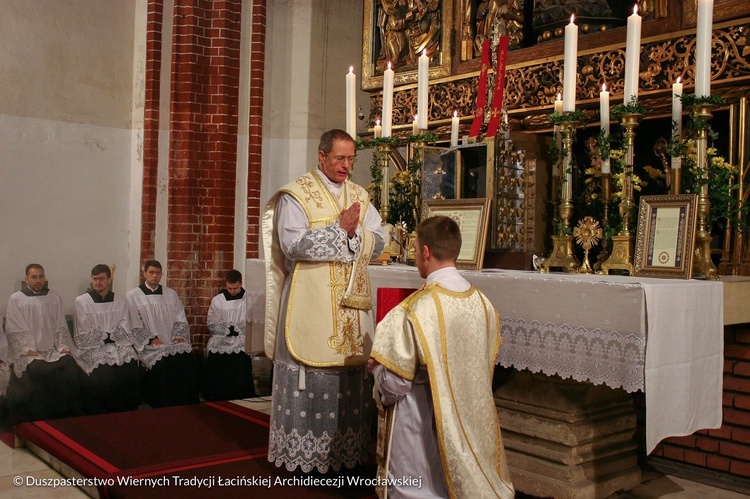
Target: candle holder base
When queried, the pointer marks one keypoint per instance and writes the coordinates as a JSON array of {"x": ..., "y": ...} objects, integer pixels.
[
  {"x": 622, "y": 255},
  {"x": 703, "y": 266},
  {"x": 562, "y": 256}
]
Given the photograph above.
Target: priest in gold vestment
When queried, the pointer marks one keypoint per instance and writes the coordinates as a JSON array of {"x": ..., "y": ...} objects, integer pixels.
[
  {"x": 319, "y": 234},
  {"x": 433, "y": 359}
]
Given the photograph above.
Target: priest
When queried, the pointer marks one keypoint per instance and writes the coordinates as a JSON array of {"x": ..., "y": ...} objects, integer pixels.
[
  {"x": 319, "y": 234},
  {"x": 161, "y": 336},
  {"x": 45, "y": 380},
  {"x": 433, "y": 361},
  {"x": 105, "y": 347},
  {"x": 228, "y": 370}
]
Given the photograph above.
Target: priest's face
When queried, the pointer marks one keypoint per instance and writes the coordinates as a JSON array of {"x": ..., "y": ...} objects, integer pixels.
[
  {"x": 233, "y": 288},
  {"x": 35, "y": 279},
  {"x": 337, "y": 164},
  {"x": 100, "y": 283},
  {"x": 152, "y": 276}
]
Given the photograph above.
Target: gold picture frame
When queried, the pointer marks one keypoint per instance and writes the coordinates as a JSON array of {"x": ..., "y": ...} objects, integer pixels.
[
  {"x": 665, "y": 240},
  {"x": 473, "y": 220},
  {"x": 377, "y": 30}
]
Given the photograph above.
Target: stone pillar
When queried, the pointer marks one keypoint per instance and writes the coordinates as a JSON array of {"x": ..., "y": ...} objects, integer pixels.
[{"x": 567, "y": 439}]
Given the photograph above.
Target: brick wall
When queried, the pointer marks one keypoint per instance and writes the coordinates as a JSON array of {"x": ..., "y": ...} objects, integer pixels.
[
  {"x": 727, "y": 449},
  {"x": 151, "y": 128},
  {"x": 204, "y": 122},
  {"x": 257, "y": 78}
]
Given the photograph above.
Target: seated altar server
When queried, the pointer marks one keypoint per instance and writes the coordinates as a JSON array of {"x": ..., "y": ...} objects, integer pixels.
[
  {"x": 228, "y": 370},
  {"x": 433, "y": 361},
  {"x": 45, "y": 380},
  {"x": 105, "y": 347},
  {"x": 161, "y": 336}
]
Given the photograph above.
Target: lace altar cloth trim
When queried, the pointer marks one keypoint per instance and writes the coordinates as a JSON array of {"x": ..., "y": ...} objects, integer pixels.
[{"x": 614, "y": 358}]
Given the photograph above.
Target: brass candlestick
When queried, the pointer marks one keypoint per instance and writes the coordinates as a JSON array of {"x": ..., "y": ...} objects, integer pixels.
[
  {"x": 383, "y": 152},
  {"x": 702, "y": 264},
  {"x": 676, "y": 187},
  {"x": 416, "y": 153},
  {"x": 606, "y": 197},
  {"x": 622, "y": 244},
  {"x": 562, "y": 251}
]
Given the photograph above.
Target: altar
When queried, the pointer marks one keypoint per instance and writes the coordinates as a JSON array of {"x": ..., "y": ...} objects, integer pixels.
[{"x": 579, "y": 344}]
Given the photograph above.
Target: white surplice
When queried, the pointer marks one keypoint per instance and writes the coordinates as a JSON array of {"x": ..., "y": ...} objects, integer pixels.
[
  {"x": 98, "y": 323},
  {"x": 37, "y": 323},
  {"x": 157, "y": 315},
  {"x": 223, "y": 314}
]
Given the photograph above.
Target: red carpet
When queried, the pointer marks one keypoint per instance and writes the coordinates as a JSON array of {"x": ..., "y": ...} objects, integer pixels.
[{"x": 203, "y": 450}]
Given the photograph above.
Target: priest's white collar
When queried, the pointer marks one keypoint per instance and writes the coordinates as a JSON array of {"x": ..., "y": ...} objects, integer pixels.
[
  {"x": 149, "y": 286},
  {"x": 330, "y": 185}
]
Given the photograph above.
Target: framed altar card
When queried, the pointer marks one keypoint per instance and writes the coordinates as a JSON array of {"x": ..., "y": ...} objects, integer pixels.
[
  {"x": 472, "y": 218},
  {"x": 665, "y": 240}
]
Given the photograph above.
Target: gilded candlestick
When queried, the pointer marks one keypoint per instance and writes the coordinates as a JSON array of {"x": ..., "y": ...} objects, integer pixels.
[
  {"x": 383, "y": 151},
  {"x": 622, "y": 244},
  {"x": 702, "y": 264},
  {"x": 562, "y": 251}
]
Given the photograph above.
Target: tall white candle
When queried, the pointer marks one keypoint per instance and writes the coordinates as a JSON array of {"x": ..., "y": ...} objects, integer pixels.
[
  {"x": 604, "y": 115},
  {"x": 703, "y": 48},
  {"x": 378, "y": 131},
  {"x": 632, "y": 56},
  {"x": 351, "y": 103},
  {"x": 415, "y": 125},
  {"x": 677, "y": 119},
  {"x": 570, "y": 66},
  {"x": 387, "y": 101},
  {"x": 423, "y": 84},
  {"x": 454, "y": 129}
]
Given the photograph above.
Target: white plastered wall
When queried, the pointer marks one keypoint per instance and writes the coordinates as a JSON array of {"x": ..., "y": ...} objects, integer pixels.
[{"x": 66, "y": 141}]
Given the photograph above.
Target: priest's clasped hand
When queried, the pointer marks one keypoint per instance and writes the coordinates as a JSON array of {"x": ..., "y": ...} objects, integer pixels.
[{"x": 349, "y": 218}]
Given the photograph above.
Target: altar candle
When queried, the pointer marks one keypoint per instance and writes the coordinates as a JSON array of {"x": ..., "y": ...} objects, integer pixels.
[
  {"x": 454, "y": 129},
  {"x": 415, "y": 125},
  {"x": 423, "y": 83},
  {"x": 378, "y": 129},
  {"x": 632, "y": 56},
  {"x": 558, "y": 104},
  {"x": 703, "y": 48},
  {"x": 677, "y": 119},
  {"x": 387, "y": 101},
  {"x": 351, "y": 103},
  {"x": 604, "y": 115},
  {"x": 570, "y": 67}
]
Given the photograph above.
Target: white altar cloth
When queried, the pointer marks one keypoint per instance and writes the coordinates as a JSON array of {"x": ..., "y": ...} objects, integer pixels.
[{"x": 662, "y": 336}]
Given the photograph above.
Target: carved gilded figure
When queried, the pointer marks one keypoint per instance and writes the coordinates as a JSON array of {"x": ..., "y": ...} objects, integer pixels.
[
  {"x": 506, "y": 14},
  {"x": 407, "y": 27}
]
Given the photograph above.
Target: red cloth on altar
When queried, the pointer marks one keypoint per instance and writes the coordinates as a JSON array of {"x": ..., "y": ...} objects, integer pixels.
[{"x": 389, "y": 298}]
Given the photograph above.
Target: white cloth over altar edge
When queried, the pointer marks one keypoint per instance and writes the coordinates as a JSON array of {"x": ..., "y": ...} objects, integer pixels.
[{"x": 662, "y": 336}]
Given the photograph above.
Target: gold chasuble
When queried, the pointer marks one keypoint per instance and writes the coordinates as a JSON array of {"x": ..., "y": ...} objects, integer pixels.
[
  {"x": 456, "y": 335},
  {"x": 330, "y": 296}
]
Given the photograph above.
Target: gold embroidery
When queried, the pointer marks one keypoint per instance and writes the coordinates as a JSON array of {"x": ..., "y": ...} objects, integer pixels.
[
  {"x": 313, "y": 195},
  {"x": 350, "y": 342}
]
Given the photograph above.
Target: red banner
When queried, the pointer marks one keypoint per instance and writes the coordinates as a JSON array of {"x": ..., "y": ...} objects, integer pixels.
[
  {"x": 497, "y": 99},
  {"x": 476, "y": 125}
]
